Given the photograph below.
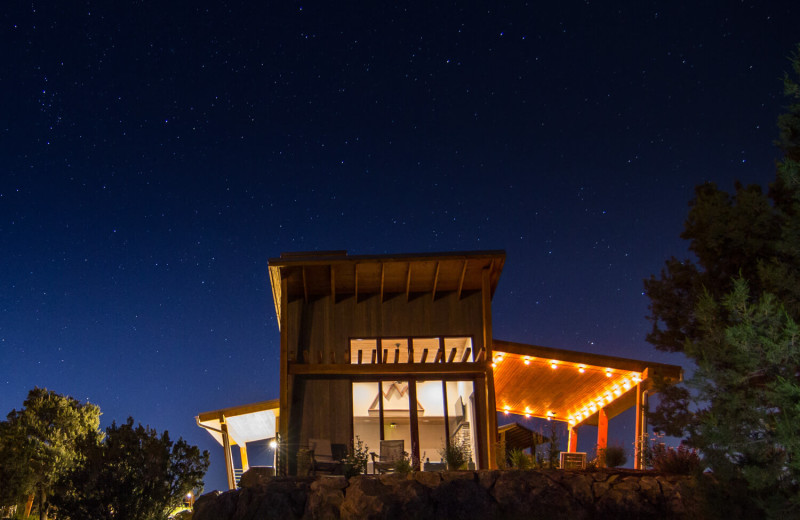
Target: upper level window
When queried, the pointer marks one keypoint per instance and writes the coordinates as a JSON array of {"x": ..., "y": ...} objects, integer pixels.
[{"x": 411, "y": 350}]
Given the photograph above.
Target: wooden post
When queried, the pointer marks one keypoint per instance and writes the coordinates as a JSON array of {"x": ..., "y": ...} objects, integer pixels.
[
  {"x": 226, "y": 445},
  {"x": 491, "y": 406},
  {"x": 641, "y": 425},
  {"x": 414, "y": 419},
  {"x": 602, "y": 433},
  {"x": 572, "y": 442},
  {"x": 243, "y": 453},
  {"x": 285, "y": 379}
]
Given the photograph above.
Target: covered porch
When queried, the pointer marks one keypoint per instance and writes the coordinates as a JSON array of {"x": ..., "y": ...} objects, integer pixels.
[
  {"x": 239, "y": 425},
  {"x": 575, "y": 387}
]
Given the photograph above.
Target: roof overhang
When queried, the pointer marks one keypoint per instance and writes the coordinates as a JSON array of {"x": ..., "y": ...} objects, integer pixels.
[
  {"x": 246, "y": 423},
  {"x": 569, "y": 386},
  {"x": 335, "y": 273}
]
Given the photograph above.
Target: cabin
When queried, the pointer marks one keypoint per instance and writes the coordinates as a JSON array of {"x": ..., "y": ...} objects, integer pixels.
[{"x": 398, "y": 351}]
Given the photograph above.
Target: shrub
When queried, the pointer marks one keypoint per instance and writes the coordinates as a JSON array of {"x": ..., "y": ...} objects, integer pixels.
[
  {"x": 519, "y": 459},
  {"x": 613, "y": 456},
  {"x": 455, "y": 455},
  {"x": 404, "y": 465},
  {"x": 680, "y": 461},
  {"x": 355, "y": 463}
]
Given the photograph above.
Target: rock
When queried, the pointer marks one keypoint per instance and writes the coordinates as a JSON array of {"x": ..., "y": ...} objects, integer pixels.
[{"x": 256, "y": 476}]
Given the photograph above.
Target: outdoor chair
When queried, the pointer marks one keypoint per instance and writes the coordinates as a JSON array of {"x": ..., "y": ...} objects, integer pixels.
[
  {"x": 391, "y": 452},
  {"x": 326, "y": 457}
]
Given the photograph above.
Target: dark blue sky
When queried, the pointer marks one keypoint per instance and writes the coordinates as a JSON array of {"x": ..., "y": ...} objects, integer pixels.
[{"x": 156, "y": 154}]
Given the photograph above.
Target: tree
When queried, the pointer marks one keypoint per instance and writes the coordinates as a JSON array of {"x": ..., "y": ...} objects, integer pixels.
[
  {"x": 734, "y": 311},
  {"x": 39, "y": 443},
  {"x": 133, "y": 474}
]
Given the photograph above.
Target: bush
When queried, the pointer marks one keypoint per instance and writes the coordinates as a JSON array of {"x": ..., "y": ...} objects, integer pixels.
[
  {"x": 403, "y": 465},
  {"x": 455, "y": 455},
  {"x": 680, "y": 461},
  {"x": 520, "y": 459},
  {"x": 613, "y": 456},
  {"x": 355, "y": 463}
]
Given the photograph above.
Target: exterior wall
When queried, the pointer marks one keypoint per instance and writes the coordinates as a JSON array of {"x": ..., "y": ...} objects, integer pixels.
[{"x": 320, "y": 332}]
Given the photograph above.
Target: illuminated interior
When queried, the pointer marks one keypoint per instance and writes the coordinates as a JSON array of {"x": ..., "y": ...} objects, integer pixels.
[
  {"x": 411, "y": 350},
  {"x": 437, "y": 423}
]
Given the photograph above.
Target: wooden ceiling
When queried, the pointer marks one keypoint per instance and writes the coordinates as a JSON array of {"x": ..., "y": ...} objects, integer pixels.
[
  {"x": 313, "y": 274},
  {"x": 561, "y": 384}
]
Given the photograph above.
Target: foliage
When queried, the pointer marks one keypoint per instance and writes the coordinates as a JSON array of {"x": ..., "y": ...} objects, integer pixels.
[
  {"x": 552, "y": 450},
  {"x": 355, "y": 463},
  {"x": 519, "y": 459},
  {"x": 39, "y": 444},
  {"x": 403, "y": 465},
  {"x": 734, "y": 312},
  {"x": 678, "y": 461},
  {"x": 500, "y": 455},
  {"x": 133, "y": 474},
  {"x": 455, "y": 454},
  {"x": 612, "y": 456}
]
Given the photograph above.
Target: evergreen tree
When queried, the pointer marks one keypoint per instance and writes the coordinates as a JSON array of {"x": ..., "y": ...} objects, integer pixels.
[{"x": 734, "y": 311}]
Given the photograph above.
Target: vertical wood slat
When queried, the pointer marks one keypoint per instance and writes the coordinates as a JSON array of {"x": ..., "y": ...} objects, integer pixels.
[
  {"x": 452, "y": 355},
  {"x": 373, "y": 357},
  {"x": 305, "y": 285},
  {"x": 465, "y": 356},
  {"x": 383, "y": 274},
  {"x": 360, "y": 355},
  {"x": 446, "y": 417},
  {"x": 333, "y": 285},
  {"x": 408, "y": 282},
  {"x": 435, "y": 282},
  {"x": 414, "y": 420},
  {"x": 424, "y": 355},
  {"x": 461, "y": 280},
  {"x": 397, "y": 355}
]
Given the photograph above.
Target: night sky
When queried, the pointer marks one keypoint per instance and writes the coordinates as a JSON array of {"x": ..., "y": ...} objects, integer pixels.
[{"x": 155, "y": 155}]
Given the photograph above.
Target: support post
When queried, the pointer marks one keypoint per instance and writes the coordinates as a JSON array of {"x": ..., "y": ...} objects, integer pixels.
[
  {"x": 226, "y": 445},
  {"x": 572, "y": 439},
  {"x": 602, "y": 433},
  {"x": 243, "y": 453},
  {"x": 491, "y": 405},
  {"x": 641, "y": 426}
]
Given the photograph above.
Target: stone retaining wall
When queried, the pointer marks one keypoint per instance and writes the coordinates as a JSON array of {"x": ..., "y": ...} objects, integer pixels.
[{"x": 546, "y": 494}]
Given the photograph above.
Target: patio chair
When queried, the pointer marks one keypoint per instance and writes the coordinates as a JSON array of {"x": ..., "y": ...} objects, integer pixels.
[
  {"x": 322, "y": 456},
  {"x": 391, "y": 452}
]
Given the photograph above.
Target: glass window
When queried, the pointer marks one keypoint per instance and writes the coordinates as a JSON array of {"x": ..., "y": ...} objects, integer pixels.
[
  {"x": 461, "y": 416},
  {"x": 432, "y": 432}
]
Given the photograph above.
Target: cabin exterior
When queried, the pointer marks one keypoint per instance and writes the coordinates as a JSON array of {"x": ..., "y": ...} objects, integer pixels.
[
  {"x": 398, "y": 349},
  {"x": 364, "y": 336}
]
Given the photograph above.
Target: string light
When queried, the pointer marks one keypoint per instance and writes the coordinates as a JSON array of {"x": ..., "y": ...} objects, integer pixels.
[{"x": 581, "y": 368}]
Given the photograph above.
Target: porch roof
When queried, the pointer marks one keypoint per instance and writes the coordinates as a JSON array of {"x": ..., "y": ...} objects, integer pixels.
[
  {"x": 566, "y": 385},
  {"x": 246, "y": 423},
  {"x": 335, "y": 273}
]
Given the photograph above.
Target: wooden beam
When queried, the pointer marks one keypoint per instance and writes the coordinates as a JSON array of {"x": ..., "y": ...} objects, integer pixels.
[
  {"x": 424, "y": 355},
  {"x": 285, "y": 381},
  {"x": 373, "y": 357},
  {"x": 408, "y": 282},
  {"x": 465, "y": 356},
  {"x": 386, "y": 369},
  {"x": 397, "y": 355},
  {"x": 360, "y": 354},
  {"x": 383, "y": 277},
  {"x": 333, "y": 285},
  {"x": 461, "y": 280},
  {"x": 414, "y": 420},
  {"x": 385, "y": 358},
  {"x": 452, "y": 355},
  {"x": 481, "y": 355},
  {"x": 435, "y": 281},
  {"x": 439, "y": 356},
  {"x": 305, "y": 286},
  {"x": 490, "y": 399}
]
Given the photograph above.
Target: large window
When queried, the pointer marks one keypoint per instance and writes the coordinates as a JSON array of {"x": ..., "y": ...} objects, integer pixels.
[
  {"x": 445, "y": 414},
  {"x": 411, "y": 350}
]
